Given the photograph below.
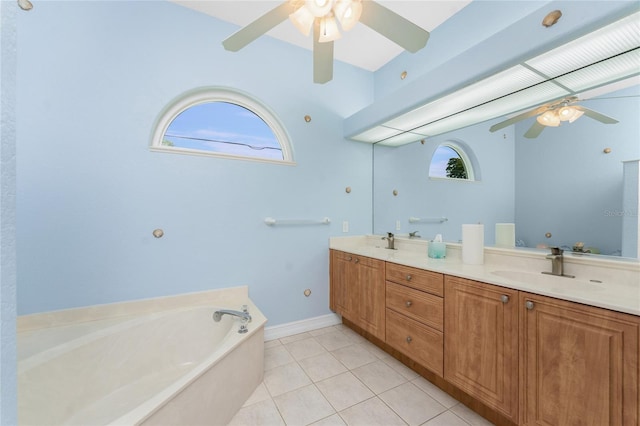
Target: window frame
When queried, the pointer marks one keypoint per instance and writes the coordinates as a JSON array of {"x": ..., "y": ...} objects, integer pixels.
[
  {"x": 467, "y": 160},
  {"x": 220, "y": 94}
]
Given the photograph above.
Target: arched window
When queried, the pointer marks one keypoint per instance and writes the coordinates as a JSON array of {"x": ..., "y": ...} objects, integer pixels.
[
  {"x": 451, "y": 161},
  {"x": 224, "y": 123}
]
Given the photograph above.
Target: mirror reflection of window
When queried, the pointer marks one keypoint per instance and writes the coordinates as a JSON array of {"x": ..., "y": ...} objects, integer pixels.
[{"x": 451, "y": 162}]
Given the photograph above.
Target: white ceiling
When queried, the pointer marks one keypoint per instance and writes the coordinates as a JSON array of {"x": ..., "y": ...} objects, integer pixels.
[{"x": 361, "y": 46}]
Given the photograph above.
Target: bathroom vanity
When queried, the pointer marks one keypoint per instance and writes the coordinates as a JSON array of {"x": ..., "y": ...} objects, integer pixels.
[{"x": 533, "y": 349}]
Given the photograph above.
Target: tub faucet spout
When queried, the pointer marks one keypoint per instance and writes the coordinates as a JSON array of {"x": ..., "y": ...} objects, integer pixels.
[{"x": 243, "y": 315}]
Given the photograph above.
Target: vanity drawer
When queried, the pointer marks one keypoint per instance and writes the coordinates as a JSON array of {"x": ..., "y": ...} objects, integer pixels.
[
  {"x": 417, "y": 341},
  {"x": 418, "y": 305},
  {"x": 431, "y": 282}
]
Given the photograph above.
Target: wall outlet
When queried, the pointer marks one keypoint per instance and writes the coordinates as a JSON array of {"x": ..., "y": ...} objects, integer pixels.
[
  {"x": 397, "y": 225},
  {"x": 345, "y": 226}
]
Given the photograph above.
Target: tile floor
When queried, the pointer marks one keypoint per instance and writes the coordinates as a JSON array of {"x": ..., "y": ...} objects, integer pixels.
[{"x": 333, "y": 376}]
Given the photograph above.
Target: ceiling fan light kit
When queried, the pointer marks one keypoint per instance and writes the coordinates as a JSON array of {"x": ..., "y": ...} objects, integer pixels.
[{"x": 323, "y": 16}]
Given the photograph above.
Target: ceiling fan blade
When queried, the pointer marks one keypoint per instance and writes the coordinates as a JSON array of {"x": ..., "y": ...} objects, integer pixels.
[
  {"x": 515, "y": 119},
  {"x": 596, "y": 115},
  {"x": 263, "y": 24},
  {"x": 534, "y": 131},
  {"x": 399, "y": 30},
  {"x": 322, "y": 57}
]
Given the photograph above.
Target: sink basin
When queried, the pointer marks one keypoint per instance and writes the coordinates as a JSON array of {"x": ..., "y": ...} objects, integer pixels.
[{"x": 555, "y": 283}]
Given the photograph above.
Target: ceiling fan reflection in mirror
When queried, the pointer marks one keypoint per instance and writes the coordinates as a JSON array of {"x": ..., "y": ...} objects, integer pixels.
[
  {"x": 323, "y": 16},
  {"x": 552, "y": 114}
]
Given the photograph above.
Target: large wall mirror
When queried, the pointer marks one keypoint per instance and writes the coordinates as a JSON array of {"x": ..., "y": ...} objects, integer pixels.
[{"x": 562, "y": 187}]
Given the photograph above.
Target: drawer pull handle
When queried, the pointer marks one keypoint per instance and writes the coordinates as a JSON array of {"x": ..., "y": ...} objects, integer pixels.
[
  {"x": 409, "y": 339},
  {"x": 409, "y": 303},
  {"x": 408, "y": 277},
  {"x": 528, "y": 304},
  {"x": 349, "y": 259},
  {"x": 504, "y": 298},
  {"x": 357, "y": 260}
]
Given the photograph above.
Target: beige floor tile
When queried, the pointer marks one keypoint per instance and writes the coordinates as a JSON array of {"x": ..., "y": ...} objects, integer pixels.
[
  {"x": 344, "y": 390},
  {"x": 414, "y": 406},
  {"x": 334, "y": 420},
  {"x": 303, "y": 406},
  {"x": 353, "y": 336},
  {"x": 271, "y": 343},
  {"x": 354, "y": 356},
  {"x": 295, "y": 337},
  {"x": 320, "y": 331},
  {"x": 285, "y": 378},
  {"x": 372, "y": 412},
  {"x": 378, "y": 376},
  {"x": 276, "y": 356},
  {"x": 470, "y": 416},
  {"x": 400, "y": 368},
  {"x": 446, "y": 419},
  {"x": 435, "y": 392},
  {"x": 322, "y": 366},
  {"x": 334, "y": 340},
  {"x": 305, "y": 348},
  {"x": 259, "y": 414},
  {"x": 379, "y": 353}
]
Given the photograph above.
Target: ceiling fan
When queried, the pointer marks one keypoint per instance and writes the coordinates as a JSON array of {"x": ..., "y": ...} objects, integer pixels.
[
  {"x": 552, "y": 114},
  {"x": 323, "y": 17}
]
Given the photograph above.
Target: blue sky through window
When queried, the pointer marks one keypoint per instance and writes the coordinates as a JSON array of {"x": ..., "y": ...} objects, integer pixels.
[
  {"x": 438, "y": 167},
  {"x": 223, "y": 127}
]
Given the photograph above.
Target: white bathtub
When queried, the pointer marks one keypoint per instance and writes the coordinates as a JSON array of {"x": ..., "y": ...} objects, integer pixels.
[{"x": 176, "y": 366}]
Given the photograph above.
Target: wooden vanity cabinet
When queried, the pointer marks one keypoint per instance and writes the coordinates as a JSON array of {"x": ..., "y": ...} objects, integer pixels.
[
  {"x": 578, "y": 364},
  {"x": 415, "y": 316},
  {"x": 481, "y": 342},
  {"x": 357, "y": 290}
]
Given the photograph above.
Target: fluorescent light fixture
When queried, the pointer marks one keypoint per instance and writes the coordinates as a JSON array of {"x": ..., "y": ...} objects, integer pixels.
[
  {"x": 604, "y": 72},
  {"x": 497, "y": 85},
  {"x": 606, "y": 42},
  {"x": 604, "y": 56},
  {"x": 403, "y": 139},
  {"x": 376, "y": 134}
]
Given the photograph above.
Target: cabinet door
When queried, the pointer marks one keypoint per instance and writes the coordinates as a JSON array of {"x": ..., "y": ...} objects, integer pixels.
[
  {"x": 370, "y": 295},
  {"x": 579, "y": 364},
  {"x": 342, "y": 285},
  {"x": 481, "y": 342}
]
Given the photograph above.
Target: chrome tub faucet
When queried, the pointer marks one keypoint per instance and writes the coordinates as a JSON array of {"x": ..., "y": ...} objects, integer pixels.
[{"x": 243, "y": 315}]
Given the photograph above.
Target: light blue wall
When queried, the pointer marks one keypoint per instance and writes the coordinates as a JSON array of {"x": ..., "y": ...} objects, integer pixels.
[
  {"x": 406, "y": 169},
  {"x": 8, "y": 279},
  {"x": 567, "y": 185},
  {"x": 92, "y": 79}
]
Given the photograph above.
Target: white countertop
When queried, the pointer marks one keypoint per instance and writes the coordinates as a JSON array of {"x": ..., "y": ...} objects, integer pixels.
[{"x": 606, "y": 283}]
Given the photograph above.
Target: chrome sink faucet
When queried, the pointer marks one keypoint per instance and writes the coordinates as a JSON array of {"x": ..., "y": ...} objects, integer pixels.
[
  {"x": 390, "y": 241},
  {"x": 557, "y": 263}
]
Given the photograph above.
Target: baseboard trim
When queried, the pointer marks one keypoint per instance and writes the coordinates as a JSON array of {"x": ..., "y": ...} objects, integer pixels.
[{"x": 302, "y": 326}]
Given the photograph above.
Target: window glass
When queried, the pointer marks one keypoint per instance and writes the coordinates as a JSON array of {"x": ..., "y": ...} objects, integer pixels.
[
  {"x": 450, "y": 161},
  {"x": 222, "y": 123}
]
